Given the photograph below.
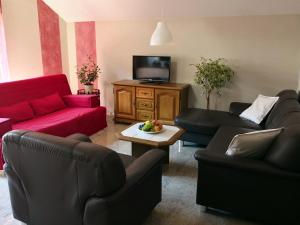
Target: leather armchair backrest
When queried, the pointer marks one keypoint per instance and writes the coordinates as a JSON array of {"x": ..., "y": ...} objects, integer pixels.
[
  {"x": 287, "y": 103},
  {"x": 51, "y": 178},
  {"x": 285, "y": 151}
]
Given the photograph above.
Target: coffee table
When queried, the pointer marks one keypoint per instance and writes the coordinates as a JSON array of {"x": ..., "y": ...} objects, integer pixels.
[{"x": 142, "y": 142}]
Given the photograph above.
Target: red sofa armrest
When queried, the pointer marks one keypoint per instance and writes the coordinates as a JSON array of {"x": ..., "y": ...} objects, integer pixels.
[
  {"x": 5, "y": 126},
  {"x": 88, "y": 101}
]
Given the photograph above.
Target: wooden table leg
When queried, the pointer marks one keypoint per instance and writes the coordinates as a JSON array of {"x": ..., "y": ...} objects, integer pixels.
[{"x": 140, "y": 149}]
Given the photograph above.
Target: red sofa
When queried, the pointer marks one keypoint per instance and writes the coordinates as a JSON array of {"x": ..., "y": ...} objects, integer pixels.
[{"x": 46, "y": 104}]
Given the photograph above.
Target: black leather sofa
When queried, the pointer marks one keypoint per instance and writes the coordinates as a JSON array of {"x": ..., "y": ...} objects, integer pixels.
[
  {"x": 69, "y": 181},
  {"x": 266, "y": 189}
]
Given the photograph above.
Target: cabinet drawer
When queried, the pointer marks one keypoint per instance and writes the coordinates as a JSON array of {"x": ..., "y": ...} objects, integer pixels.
[
  {"x": 145, "y": 93},
  {"x": 145, "y": 104},
  {"x": 145, "y": 115}
]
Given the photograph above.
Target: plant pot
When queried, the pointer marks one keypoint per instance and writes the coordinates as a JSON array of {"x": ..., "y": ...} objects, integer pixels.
[{"x": 88, "y": 89}]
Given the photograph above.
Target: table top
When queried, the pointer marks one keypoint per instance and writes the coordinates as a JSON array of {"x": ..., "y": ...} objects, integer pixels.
[
  {"x": 168, "y": 136},
  {"x": 136, "y": 83}
]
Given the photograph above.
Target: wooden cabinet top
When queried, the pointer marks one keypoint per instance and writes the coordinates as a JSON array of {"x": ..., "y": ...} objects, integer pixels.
[{"x": 136, "y": 83}]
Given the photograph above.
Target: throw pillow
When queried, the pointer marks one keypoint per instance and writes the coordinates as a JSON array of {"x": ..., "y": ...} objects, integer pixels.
[
  {"x": 48, "y": 104},
  {"x": 253, "y": 144},
  {"x": 17, "y": 112},
  {"x": 259, "y": 108}
]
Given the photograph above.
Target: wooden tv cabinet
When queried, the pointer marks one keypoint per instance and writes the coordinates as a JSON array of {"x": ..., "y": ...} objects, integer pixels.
[{"x": 135, "y": 101}]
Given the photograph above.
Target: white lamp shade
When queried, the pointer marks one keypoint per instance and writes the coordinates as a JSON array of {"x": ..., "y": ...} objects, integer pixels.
[{"x": 161, "y": 35}]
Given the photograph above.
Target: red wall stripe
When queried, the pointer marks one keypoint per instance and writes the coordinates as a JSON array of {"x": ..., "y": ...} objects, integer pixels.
[
  {"x": 50, "y": 39},
  {"x": 85, "y": 33}
]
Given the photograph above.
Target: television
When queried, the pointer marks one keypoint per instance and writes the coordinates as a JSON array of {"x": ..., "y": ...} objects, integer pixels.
[{"x": 151, "y": 68}]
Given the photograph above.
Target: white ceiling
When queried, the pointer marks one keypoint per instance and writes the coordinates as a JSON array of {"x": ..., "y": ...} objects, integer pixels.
[{"x": 97, "y": 10}]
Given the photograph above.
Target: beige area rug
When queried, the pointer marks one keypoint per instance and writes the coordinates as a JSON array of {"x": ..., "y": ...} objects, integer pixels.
[{"x": 178, "y": 206}]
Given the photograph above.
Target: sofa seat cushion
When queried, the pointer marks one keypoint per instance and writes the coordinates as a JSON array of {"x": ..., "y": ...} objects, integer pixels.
[
  {"x": 220, "y": 142},
  {"x": 208, "y": 121},
  {"x": 67, "y": 121}
]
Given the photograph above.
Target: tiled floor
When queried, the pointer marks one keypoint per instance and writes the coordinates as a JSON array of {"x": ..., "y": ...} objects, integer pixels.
[{"x": 179, "y": 187}]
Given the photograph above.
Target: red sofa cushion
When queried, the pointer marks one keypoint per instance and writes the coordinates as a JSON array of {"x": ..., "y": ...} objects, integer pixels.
[
  {"x": 17, "y": 112},
  {"x": 67, "y": 121},
  {"x": 48, "y": 104}
]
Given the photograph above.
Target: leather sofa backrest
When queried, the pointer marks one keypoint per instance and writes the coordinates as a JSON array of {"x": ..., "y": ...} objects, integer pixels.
[
  {"x": 285, "y": 151},
  {"x": 25, "y": 90},
  {"x": 53, "y": 177},
  {"x": 287, "y": 103}
]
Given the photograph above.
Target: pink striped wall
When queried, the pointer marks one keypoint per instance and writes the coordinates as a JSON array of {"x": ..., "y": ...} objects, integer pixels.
[
  {"x": 50, "y": 39},
  {"x": 85, "y": 33}
]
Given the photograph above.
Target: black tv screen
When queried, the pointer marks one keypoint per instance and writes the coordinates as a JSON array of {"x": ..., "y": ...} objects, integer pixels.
[{"x": 151, "y": 68}]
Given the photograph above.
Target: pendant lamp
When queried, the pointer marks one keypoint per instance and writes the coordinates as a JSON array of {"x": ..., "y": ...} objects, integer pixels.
[{"x": 161, "y": 35}]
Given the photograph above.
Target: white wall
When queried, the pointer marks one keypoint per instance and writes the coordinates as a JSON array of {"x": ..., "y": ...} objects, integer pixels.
[
  {"x": 72, "y": 62},
  {"x": 264, "y": 51},
  {"x": 64, "y": 46},
  {"x": 22, "y": 38}
]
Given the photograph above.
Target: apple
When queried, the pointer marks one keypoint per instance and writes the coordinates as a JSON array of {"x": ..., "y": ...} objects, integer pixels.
[{"x": 157, "y": 128}]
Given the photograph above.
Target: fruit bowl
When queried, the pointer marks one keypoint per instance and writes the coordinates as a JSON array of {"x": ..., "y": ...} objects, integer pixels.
[
  {"x": 151, "y": 132},
  {"x": 151, "y": 127}
]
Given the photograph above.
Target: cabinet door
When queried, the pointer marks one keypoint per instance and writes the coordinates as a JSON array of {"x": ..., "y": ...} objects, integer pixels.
[
  {"x": 166, "y": 105},
  {"x": 124, "y": 102}
]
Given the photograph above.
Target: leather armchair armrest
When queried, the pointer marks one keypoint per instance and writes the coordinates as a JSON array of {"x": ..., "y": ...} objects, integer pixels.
[
  {"x": 80, "y": 137},
  {"x": 237, "y": 108},
  {"x": 139, "y": 170},
  {"x": 5, "y": 126},
  {"x": 142, "y": 165},
  {"x": 242, "y": 164},
  {"x": 88, "y": 101}
]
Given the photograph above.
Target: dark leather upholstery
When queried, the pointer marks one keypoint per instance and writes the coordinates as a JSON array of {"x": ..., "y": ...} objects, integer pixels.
[
  {"x": 126, "y": 159},
  {"x": 280, "y": 112},
  {"x": 79, "y": 137},
  {"x": 236, "y": 108},
  {"x": 60, "y": 181},
  {"x": 264, "y": 189},
  {"x": 285, "y": 151},
  {"x": 223, "y": 137},
  {"x": 202, "y": 122}
]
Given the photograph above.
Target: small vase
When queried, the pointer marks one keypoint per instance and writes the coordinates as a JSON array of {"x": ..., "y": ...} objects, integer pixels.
[{"x": 88, "y": 89}]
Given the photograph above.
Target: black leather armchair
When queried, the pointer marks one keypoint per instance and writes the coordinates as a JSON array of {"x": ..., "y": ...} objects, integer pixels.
[{"x": 68, "y": 181}]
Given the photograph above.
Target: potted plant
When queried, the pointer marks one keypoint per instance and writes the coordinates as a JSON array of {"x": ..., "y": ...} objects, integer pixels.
[
  {"x": 212, "y": 75},
  {"x": 87, "y": 74}
]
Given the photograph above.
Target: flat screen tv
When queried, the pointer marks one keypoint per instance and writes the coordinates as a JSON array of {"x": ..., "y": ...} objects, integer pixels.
[{"x": 151, "y": 68}]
